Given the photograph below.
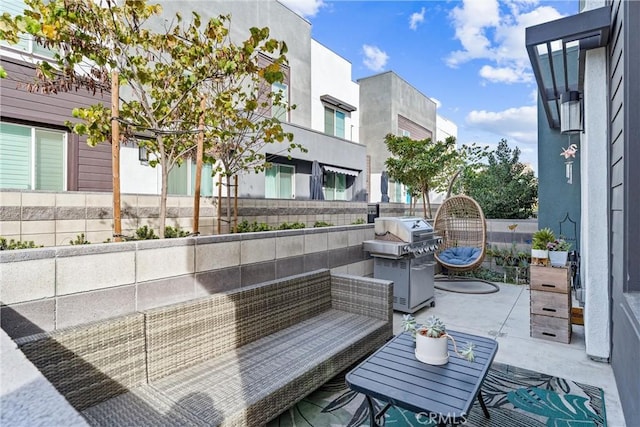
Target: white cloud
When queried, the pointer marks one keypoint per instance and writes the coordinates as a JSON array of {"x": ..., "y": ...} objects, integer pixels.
[
  {"x": 304, "y": 8},
  {"x": 517, "y": 125},
  {"x": 416, "y": 18},
  {"x": 488, "y": 32},
  {"x": 505, "y": 74},
  {"x": 437, "y": 101},
  {"x": 374, "y": 58}
]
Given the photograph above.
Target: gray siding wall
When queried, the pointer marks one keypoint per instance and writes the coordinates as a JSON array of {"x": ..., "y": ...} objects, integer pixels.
[
  {"x": 384, "y": 98},
  {"x": 89, "y": 169},
  {"x": 624, "y": 175},
  {"x": 283, "y": 24}
]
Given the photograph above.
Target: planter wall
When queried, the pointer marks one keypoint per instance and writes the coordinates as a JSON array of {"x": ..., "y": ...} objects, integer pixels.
[{"x": 51, "y": 288}]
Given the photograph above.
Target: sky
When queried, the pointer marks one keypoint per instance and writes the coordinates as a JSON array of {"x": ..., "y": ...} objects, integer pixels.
[{"x": 469, "y": 56}]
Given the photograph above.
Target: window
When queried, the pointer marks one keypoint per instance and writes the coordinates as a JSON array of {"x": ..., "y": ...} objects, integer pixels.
[
  {"x": 405, "y": 133},
  {"x": 32, "y": 158},
  {"x": 395, "y": 193},
  {"x": 334, "y": 122},
  {"x": 279, "y": 183},
  {"x": 26, "y": 43},
  {"x": 182, "y": 180},
  {"x": 335, "y": 186},
  {"x": 280, "y": 112}
]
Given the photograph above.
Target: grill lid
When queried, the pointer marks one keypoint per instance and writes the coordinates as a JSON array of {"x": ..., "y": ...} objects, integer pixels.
[{"x": 404, "y": 229}]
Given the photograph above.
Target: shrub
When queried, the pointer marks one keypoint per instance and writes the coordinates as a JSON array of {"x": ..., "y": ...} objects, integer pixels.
[
  {"x": 19, "y": 244},
  {"x": 173, "y": 232},
  {"x": 246, "y": 227},
  {"x": 291, "y": 226},
  {"x": 145, "y": 233},
  {"x": 359, "y": 221},
  {"x": 80, "y": 240},
  {"x": 322, "y": 224}
]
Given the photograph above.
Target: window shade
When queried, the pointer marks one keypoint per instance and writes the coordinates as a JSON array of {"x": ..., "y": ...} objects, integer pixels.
[
  {"x": 49, "y": 158},
  {"x": 15, "y": 156}
]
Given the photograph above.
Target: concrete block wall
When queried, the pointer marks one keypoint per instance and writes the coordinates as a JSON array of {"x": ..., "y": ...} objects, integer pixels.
[
  {"x": 56, "y": 219},
  {"x": 50, "y": 288}
]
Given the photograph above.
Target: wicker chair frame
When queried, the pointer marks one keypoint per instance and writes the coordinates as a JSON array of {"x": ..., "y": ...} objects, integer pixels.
[{"x": 460, "y": 222}]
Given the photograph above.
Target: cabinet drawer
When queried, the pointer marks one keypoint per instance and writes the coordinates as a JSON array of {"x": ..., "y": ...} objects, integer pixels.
[
  {"x": 550, "y": 304},
  {"x": 551, "y": 328},
  {"x": 550, "y": 279}
]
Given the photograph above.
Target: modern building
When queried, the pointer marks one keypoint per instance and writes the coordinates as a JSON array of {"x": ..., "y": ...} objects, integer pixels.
[
  {"x": 445, "y": 128},
  {"x": 587, "y": 67},
  {"x": 389, "y": 104},
  {"x": 318, "y": 83}
]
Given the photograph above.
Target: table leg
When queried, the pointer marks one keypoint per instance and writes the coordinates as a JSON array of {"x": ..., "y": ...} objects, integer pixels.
[
  {"x": 373, "y": 417},
  {"x": 484, "y": 407}
]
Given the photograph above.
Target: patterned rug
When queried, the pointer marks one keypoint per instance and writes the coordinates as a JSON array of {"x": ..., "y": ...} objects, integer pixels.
[{"x": 515, "y": 397}]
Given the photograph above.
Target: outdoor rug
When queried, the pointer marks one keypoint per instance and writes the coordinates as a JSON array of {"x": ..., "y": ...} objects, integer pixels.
[{"x": 515, "y": 397}]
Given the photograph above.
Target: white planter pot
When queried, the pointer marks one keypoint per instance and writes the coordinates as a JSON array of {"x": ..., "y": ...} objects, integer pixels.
[
  {"x": 539, "y": 253},
  {"x": 558, "y": 258},
  {"x": 432, "y": 350}
]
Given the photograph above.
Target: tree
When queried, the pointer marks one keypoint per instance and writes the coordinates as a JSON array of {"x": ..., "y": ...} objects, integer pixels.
[
  {"x": 504, "y": 187},
  {"x": 166, "y": 71},
  {"x": 422, "y": 165}
]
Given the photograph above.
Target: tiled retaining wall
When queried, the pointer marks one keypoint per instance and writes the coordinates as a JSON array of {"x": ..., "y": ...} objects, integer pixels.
[
  {"x": 56, "y": 219},
  {"x": 50, "y": 288}
]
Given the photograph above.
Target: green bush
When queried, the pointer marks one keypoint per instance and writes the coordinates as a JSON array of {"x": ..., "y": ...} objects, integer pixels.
[
  {"x": 322, "y": 224},
  {"x": 291, "y": 226},
  {"x": 359, "y": 221},
  {"x": 246, "y": 227},
  {"x": 173, "y": 232},
  {"x": 19, "y": 244},
  {"x": 80, "y": 240},
  {"x": 145, "y": 233}
]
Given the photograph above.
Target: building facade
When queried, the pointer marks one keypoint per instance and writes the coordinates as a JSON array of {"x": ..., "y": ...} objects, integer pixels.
[
  {"x": 607, "y": 87},
  {"x": 389, "y": 104},
  {"x": 324, "y": 121}
]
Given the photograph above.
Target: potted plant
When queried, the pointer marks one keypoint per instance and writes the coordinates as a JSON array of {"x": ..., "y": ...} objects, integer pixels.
[
  {"x": 539, "y": 242},
  {"x": 432, "y": 341},
  {"x": 558, "y": 252}
]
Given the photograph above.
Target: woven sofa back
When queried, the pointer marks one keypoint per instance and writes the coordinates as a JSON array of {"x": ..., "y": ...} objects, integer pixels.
[
  {"x": 91, "y": 363},
  {"x": 185, "y": 334}
]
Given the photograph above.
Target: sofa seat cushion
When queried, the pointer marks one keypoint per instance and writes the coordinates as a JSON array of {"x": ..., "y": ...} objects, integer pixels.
[
  {"x": 250, "y": 385},
  {"x": 459, "y": 255}
]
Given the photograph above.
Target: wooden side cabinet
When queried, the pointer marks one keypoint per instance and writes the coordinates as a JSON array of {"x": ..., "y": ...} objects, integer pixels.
[{"x": 551, "y": 303}]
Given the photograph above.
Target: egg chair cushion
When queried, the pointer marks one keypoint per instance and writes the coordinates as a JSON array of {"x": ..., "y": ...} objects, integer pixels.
[{"x": 460, "y": 255}]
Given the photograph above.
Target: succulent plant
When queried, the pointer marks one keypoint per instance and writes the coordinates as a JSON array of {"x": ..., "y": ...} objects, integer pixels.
[{"x": 434, "y": 327}]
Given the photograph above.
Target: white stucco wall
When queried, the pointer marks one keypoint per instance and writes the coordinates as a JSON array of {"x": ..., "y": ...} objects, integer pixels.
[
  {"x": 135, "y": 177},
  {"x": 594, "y": 251},
  {"x": 445, "y": 128},
  {"x": 331, "y": 75}
]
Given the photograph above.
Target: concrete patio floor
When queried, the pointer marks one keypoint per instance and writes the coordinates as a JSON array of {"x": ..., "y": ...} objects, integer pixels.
[{"x": 504, "y": 315}]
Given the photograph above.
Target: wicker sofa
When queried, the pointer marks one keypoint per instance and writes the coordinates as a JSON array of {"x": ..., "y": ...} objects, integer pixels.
[{"x": 235, "y": 359}]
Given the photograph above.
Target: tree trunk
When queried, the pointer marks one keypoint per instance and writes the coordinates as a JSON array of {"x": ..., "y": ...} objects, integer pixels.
[
  {"x": 429, "y": 204},
  {"x": 163, "y": 194},
  {"x": 228, "y": 213},
  {"x": 424, "y": 204}
]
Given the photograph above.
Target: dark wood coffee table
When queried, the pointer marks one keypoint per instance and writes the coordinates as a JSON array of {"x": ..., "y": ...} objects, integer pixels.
[{"x": 444, "y": 394}]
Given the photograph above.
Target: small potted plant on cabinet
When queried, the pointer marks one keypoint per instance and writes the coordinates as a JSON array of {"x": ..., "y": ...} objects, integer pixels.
[
  {"x": 539, "y": 242},
  {"x": 558, "y": 252},
  {"x": 432, "y": 341}
]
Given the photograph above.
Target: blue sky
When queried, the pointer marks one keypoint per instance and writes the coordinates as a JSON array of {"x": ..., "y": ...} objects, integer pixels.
[{"x": 469, "y": 56}]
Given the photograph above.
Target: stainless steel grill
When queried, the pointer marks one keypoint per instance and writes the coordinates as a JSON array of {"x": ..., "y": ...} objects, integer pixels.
[{"x": 403, "y": 251}]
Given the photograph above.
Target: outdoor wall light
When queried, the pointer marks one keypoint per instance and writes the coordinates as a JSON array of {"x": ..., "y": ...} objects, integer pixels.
[
  {"x": 143, "y": 154},
  {"x": 570, "y": 112}
]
